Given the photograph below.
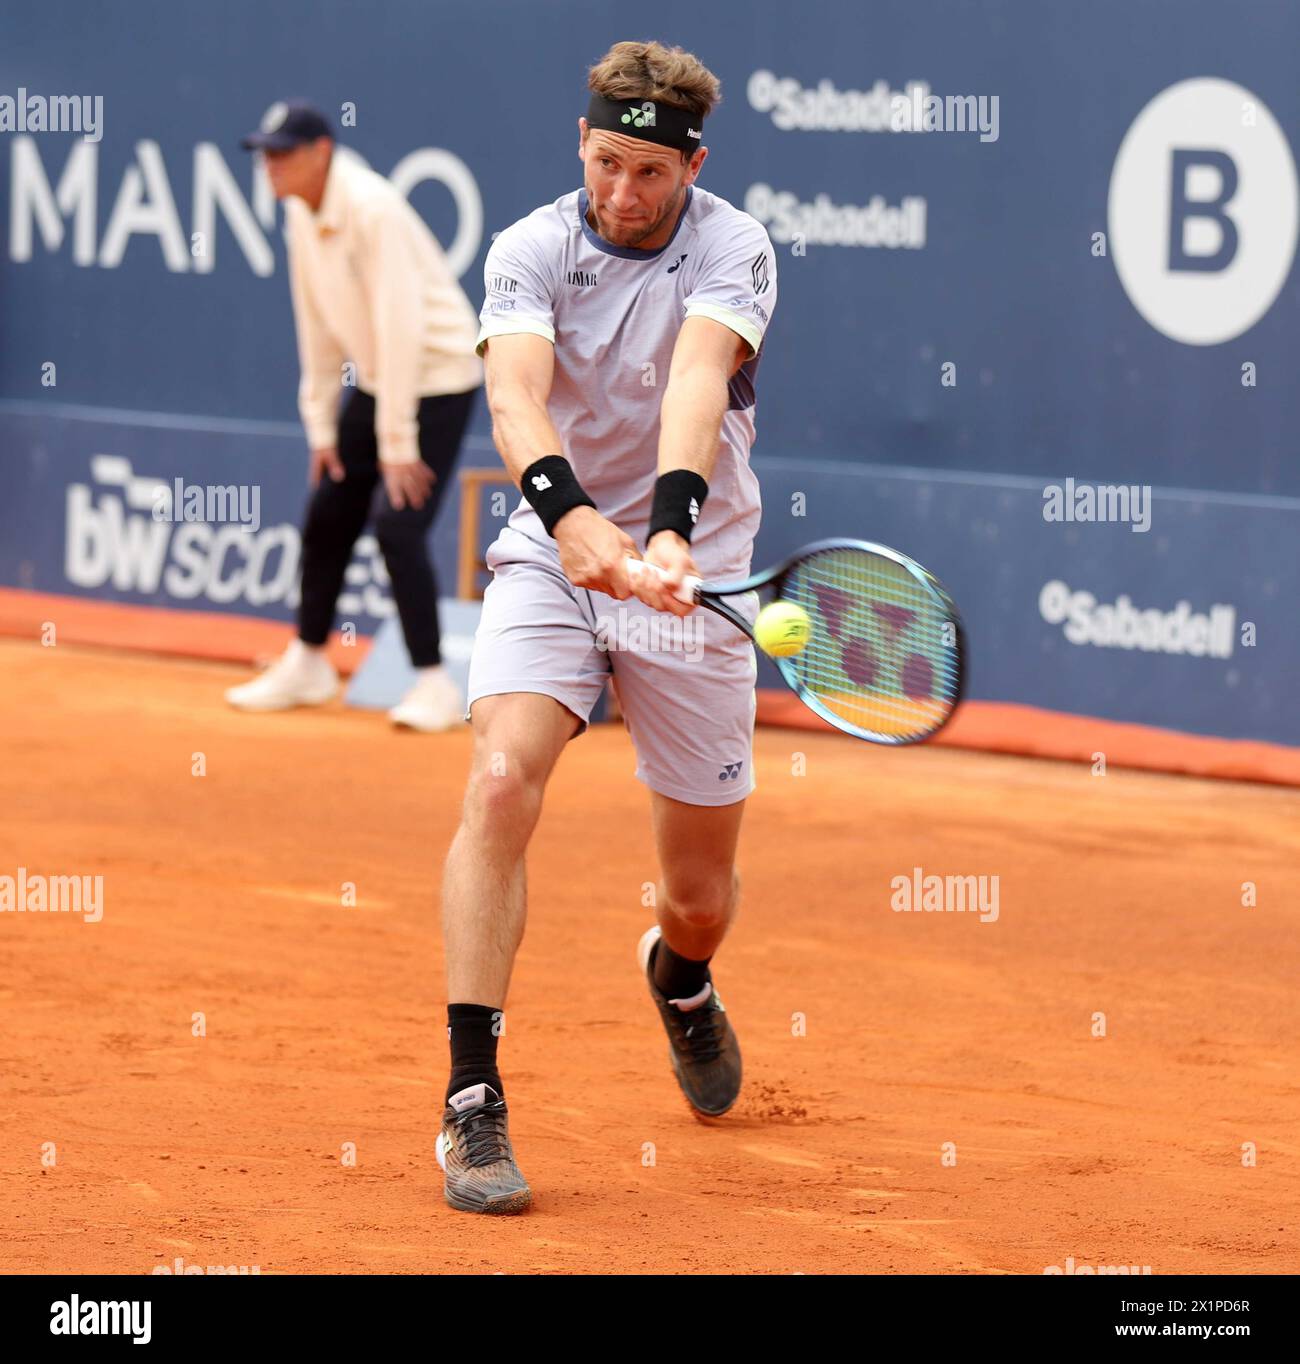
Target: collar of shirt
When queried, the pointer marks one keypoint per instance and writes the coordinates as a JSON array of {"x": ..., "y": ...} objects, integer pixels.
[{"x": 328, "y": 220}]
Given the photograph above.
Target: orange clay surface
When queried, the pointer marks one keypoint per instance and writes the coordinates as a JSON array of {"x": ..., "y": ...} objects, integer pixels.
[{"x": 1118, "y": 895}]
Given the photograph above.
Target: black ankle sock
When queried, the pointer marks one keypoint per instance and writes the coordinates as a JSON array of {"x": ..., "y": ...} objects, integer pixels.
[
  {"x": 473, "y": 1030},
  {"x": 678, "y": 977}
]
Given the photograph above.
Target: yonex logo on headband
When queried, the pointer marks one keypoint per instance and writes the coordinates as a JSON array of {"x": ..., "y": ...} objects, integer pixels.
[
  {"x": 642, "y": 117},
  {"x": 648, "y": 120}
]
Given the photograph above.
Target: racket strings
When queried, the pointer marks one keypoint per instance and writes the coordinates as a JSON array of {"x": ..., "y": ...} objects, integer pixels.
[{"x": 882, "y": 653}]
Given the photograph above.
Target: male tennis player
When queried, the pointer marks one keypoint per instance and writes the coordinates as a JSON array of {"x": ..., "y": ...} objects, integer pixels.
[
  {"x": 371, "y": 286},
  {"x": 622, "y": 329}
]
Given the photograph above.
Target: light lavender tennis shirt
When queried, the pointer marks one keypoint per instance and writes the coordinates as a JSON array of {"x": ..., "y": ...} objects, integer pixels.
[{"x": 613, "y": 314}]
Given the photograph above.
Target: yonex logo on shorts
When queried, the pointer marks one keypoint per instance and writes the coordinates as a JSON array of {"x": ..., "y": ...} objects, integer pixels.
[{"x": 730, "y": 772}]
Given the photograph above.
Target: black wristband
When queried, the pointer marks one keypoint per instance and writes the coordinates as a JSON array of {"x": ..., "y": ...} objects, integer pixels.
[
  {"x": 679, "y": 499},
  {"x": 552, "y": 489}
]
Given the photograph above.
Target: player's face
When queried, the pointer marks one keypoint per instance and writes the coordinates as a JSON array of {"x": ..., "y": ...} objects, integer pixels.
[
  {"x": 297, "y": 172},
  {"x": 634, "y": 188}
]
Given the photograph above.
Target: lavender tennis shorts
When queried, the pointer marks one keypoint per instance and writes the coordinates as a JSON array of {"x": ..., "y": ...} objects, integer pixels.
[{"x": 685, "y": 683}]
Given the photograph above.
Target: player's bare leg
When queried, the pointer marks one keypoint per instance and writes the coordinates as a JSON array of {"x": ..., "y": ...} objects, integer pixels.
[
  {"x": 517, "y": 739},
  {"x": 698, "y": 896},
  {"x": 696, "y": 902}
]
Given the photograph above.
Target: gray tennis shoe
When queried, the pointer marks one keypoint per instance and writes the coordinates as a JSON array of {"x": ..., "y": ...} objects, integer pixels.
[{"x": 475, "y": 1152}]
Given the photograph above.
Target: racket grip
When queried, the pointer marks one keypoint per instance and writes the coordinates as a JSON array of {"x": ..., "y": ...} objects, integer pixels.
[{"x": 690, "y": 584}]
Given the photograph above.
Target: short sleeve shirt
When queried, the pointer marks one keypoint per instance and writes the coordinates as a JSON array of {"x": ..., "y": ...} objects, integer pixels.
[{"x": 613, "y": 314}]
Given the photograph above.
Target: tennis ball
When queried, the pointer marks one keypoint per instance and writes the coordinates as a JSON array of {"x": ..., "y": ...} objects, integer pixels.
[{"x": 782, "y": 629}]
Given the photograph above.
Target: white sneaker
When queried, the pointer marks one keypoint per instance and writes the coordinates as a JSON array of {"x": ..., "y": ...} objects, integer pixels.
[
  {"x": 434, "y": 704},
  {"x": 299, "y": 677}
]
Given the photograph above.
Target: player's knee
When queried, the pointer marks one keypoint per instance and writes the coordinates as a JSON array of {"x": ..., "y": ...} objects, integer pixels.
[
  {"x": 704, "y": 900},
  {"x": 501, "y": 795}
]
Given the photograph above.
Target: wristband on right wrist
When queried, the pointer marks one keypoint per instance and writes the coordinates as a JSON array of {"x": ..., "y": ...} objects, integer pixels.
[
  {"x": 551, "y": 488},
  {"x": 678, "y": 498}
]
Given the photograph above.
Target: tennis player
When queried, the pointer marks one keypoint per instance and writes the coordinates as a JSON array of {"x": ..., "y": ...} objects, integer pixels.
[
  {"x": 371, "y": 286},
  {"x": 622, "y": 328}
]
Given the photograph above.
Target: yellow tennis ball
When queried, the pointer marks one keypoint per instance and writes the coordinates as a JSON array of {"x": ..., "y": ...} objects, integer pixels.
[{"x": 782, "y": 629}]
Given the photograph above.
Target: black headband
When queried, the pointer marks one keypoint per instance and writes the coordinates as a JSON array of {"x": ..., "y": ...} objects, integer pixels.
[{"x": 665, "y": 124}]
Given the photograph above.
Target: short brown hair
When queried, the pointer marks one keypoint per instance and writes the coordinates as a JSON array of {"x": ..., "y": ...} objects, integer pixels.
[{"x": 667, "y": 75}]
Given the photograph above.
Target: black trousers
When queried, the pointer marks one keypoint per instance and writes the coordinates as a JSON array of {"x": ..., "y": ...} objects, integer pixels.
[{"x": 337, "y": 514}]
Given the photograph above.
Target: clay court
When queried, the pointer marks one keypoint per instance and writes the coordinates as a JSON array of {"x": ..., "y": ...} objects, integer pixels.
[{"x": 1119, "y": 894}]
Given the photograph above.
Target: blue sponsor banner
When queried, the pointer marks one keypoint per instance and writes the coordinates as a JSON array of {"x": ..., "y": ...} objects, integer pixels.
[
  {"x": 1015, "y": 249},
  {"x": 181, "y": 513},
  {"x": 1135, "y": 619},
  {"x": 1187, "y": 624}
]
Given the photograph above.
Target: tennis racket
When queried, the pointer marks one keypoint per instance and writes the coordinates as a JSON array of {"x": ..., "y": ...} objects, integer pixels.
[{"x": 886, "y": 658}]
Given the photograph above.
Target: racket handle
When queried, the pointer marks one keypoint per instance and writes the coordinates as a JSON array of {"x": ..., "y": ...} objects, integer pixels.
[{"x": 690, "y": 584}]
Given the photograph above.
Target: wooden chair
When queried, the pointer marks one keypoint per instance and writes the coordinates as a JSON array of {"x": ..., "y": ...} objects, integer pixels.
[{"x": 470, "y": 562}]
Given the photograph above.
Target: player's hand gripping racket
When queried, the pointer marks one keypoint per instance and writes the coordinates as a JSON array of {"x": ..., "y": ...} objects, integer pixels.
[{"x": 885, "y": 653}]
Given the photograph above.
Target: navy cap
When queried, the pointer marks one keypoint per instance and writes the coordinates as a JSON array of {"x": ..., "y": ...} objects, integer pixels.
[{"x": 287, "y": 124}]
